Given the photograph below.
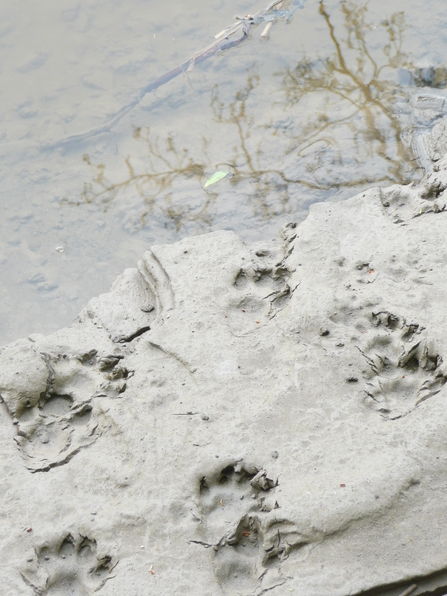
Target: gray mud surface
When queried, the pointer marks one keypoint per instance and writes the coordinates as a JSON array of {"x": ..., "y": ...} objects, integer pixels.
[{"x": 242, "y": 419}]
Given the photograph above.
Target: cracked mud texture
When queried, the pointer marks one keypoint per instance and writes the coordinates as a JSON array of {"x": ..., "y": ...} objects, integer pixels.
[{"x": 241, "y": 420}]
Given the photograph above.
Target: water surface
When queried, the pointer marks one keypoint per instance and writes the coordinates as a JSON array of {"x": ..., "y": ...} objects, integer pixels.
[{"x": 320, "y": 111}]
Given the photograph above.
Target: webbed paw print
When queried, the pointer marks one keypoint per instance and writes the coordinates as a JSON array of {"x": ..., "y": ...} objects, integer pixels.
[
  {"x": 404, "y": 369},
  {"x": 242, "y": 522},
  {"x": 68, "y": 567},
  {"x": 50, "y": 399}
]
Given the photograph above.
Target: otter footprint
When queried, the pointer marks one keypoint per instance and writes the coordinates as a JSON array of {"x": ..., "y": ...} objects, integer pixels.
[
  {"x": 68, "y": 567},
  {"x": 50, "y": 400},
  {"x": 241, "y": 520},
  {"x": 404, "y": 368}
]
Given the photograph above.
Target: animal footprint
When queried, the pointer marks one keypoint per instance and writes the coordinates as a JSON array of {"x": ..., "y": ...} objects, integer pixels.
[
  {"x": 68, "y": 567},
  {"x": 50, "y": 399},
  {"x": 404, "y": 368},
  {"x": 248, "y": 540},
  {"x": 262, "y": 291}
]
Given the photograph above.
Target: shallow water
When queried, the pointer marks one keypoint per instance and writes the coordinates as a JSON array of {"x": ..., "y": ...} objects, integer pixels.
[{"x": 319, "y": 111}]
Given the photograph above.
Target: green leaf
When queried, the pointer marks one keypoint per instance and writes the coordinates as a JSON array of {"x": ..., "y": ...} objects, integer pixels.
[{"x": 215, "y": 178}]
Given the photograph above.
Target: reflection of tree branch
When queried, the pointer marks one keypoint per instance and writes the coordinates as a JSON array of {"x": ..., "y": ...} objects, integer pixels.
[
  {"x": 347, "y": 98},
  {"x": 365, "y": 87},
  {"x": 265, "y": 179},
  {"x": 329, "y": 145},
  {"x": 370, "y": 96},
  {"x": 355, "y": 23},
  {"x": 167, "y": 166},
  {"x": 310, "y": 138}
]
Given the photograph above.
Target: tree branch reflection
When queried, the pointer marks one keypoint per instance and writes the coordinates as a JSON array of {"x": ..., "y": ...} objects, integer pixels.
[
  {"x": 335, "y": 128},
  {"x": 166, "y": 166},
  {"x": 354, "y": 84}
]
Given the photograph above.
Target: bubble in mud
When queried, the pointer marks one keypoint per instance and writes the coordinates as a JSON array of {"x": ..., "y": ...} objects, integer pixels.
[{"x": 59, "y": 248}]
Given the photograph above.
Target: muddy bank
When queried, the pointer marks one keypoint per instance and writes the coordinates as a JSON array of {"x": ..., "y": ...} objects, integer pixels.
[{"x": 242, "y": 419}]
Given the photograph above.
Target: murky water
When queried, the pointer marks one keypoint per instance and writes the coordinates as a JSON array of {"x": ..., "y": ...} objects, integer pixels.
[{"x": 319, "y": 111}]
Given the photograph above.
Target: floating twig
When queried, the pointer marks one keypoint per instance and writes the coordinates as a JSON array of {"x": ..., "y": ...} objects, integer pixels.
[
  {"x": 226, "y": 39},
  {"x": 266, "y": 33}
]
